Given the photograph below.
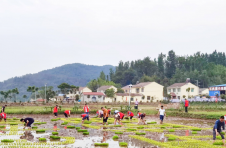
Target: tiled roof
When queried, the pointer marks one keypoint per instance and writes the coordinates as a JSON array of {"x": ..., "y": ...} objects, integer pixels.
[
  {"x": 104, "y": 87},
  {"x": 127, "y": 94},
  {"x": 93, "y": 93},
  {"x": 176, "y": 85},
  {"x": 137, "y": 85}
]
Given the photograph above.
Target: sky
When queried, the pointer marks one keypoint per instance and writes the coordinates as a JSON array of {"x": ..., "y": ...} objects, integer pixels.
[{"x": 42, "y": 34}]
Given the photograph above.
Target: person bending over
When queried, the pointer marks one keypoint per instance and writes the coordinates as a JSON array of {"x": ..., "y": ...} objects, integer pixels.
[
  {"x": 141, "y": 118},
  {"x": 119, "y": 117},
  {"x": 84, "y": 117},
  {"x": 217, "y": 129},
  {"x": 67, "y": 113},
  {"x": 3, "y": 116},
  {"x": 28, "y": 121},
  {"x": 130, "y": 114}
]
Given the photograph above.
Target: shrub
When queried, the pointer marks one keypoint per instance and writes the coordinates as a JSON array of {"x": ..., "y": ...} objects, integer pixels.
[
  {"x": 152, "y": 122},
  {"x": 64, "y": 123},
  {"x": 115, "y": 137},
  {"x": 171, "y": 138},
  {"x": 55, "y": 137},
  {"x": 194, "y": 132},
  {"x": 131, "y": 129},
  {"x": 117, "y": 125},
  {"x": 54, "y": 133},
  {"x": 70, "y": 126},
  {"x": 140, "y": 127},
  {"x": 34, "y": 127},
  {"x": 118, "y": 132},
  {"x": 42, "y": 139},
  {"x": 218, "y": 143},
  {"x": 85, "y": 133},
  {"x": 82, "y": 130},
  {"x": 7, "y": 140},
  {"x": 2, "y": 126},
  {"x": 40, "y": 130},
  {"x": 101, "y": 144},
  {"x": 196, "y": 129},
  {"x": 140, "y": 133},
  {"x": 123, "y": 144}
]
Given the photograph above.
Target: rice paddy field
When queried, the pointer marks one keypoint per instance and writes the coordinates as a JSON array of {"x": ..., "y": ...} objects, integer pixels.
[{"x": 71, "y": 133}]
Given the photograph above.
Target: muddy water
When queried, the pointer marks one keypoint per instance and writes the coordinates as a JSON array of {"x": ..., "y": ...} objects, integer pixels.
[{"x": 100, "y": 136}]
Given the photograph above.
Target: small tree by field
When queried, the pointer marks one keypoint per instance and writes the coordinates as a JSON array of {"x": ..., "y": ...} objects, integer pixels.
[
  {"x": 110, "y": 93},
  {"x": 77, "y": 97}
]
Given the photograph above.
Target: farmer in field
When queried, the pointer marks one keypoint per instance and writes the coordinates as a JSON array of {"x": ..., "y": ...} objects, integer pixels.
[
  {"x": 161, "y": 114},
  {"x": 118, "y": 117},
  {"x": 186, "y": 104},
  {"x": 109, "y": 112},
  {"x": 141, "y": 118},
  {"x": 138, "y": 114},
  {"x": 86, "y": 109},
  {"x": 84, "y": 117},
  {"x": 130, "y": 114},
  {"x": 67, "y": 113},
  {"x": 100, "y": 114},
  {"x": 217, "y": 129},
  {"x": 105, "y": 115},
  {"x": 55, "y": 111},
  {"x": 28, "y": 122},
  {"x": 3, "y": 116},
  {"x": 3, "y": 108}
]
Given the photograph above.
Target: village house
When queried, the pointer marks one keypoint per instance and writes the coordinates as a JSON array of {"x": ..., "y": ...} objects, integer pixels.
[
  {"x": 104, "y": 88},
  {"x": 204, "y": 91},
  {"x": 72, "y": 95},
  {"x": 92, "y": 97}
]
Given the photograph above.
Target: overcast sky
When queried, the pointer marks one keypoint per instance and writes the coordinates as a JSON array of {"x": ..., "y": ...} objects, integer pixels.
[{"x": 37, "y": 35}]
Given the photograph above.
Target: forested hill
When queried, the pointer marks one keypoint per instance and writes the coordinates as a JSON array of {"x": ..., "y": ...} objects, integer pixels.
[{"x": 74, "y": 74}]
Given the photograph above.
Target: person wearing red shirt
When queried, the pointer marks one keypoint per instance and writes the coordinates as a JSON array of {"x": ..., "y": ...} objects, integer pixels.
[
  {"x": 186, "y": 104},
  {"x": 109, "y": 112},
  {"x": 55, "y": 111},
  {"x": 3, "y": 116},
  {"x": 67, "y": 113},
  {"x": 84, "y": 117},
  {"x": 118, "y": 117},
  {"x": 130, "y": 114},
  {"x": 86, "y": 109},
  {"x": 138, "y": 114}
]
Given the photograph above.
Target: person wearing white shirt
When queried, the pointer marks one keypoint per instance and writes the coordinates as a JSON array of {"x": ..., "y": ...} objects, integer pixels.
[{"x": 161, "y": 114}]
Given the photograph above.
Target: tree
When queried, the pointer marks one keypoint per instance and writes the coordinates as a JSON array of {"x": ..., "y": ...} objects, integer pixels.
[
  {"x": 171, "y": 64},
  {"x": 32, "y": 89},
  {"x": 110, "y": 93},
  {"x": 15, "y": 92},
  {"x": 50, "y": 93},
  {"x": 5, "y": 94},
  {"x": 120, "y": 90},
  {"x": 188, "y": 90},
  {"x": 77, "y": 97},
  {"x": 111, "y": 74},
  {"x": 25, "y": 97},
  {"x": 64, "y": 87},
  {"x": 161, "y": 64},
  {"x": 102, "y": 76}
]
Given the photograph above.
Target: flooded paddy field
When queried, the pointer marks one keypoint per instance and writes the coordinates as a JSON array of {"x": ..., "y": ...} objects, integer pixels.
[{"x": 71, "y": 133}]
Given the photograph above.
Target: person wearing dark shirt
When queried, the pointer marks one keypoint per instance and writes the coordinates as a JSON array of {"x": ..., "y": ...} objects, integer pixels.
[
  {"x": 217, "y": 128},
  {"x": 28, "y": 122},
  {"x": 3, "y": 109},
  {"x": 141, "y": 118}
]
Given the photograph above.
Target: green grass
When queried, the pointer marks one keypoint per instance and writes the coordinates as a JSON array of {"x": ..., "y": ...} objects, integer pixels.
[
  {"x": 171, "y": 138},
  {"x": 55, "y": 137},
  {"x": 218, "y": 143},
  {"x": 118, "y": 132},
  {"x": 151, "y": 122},
  {"x": 82, "y": 130},
  {"x": 101, "y": 144},
  {"x": 140, "y": 133},
  {"x": 171, "y": 130},
  {"x": 7, "y": 140},
  {"x": 194, "y": 132},
  {"x": 54, "y": 133},
  {"x": 115, "y": 137},
  {"x": 42, "y": 139},
  {"x": 34, "y": 127},
  {"x": 64, "y": 123},
  {"x": 40, "y": 130},
  {"x": 85, "y": 133},
  {"x": 196, "y": 129},
  {"x": 123, "y": 144},
  {"x": 70, "y": 126}
]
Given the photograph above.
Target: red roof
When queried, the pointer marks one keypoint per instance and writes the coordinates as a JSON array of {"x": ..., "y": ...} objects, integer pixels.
[{"x": 94, "y": 93}]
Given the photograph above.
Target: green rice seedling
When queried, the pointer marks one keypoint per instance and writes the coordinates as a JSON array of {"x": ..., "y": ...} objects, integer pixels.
[
  {"x": 126, "y": 118},
  {"x": 125, "y": 121},
  {"x": 118, "y": 132},
  {"x": 82, "y": 130},
  {"x": 194, "y": 132},
  {"x": 34, "y": 127},
  {"x": 64, "y": 123},
  {"x": 123, "y": 144},
  {"x": 37, "y": 123},
  {"x": 43, "y": 122},
  {"x": 54, "y": 133},
  {"x": 140, "y": 127},
  {"x": 42, "y": 139},
  {"x": 13, "y": 124},
  {"x": 78, "y": 128},
  {"x": 171, "y": 138},
  {"x": 101, "y": 144},
  {"x": 117, "y": 125},
  {"x": 115, "y": 137},
  {"x": 162, "y": 127},
  {"x": 85, "y": 133},
  {"x": 2, "y": 126},
  {"x": 222, "y": 133},
  {"x": 196, "y": 129},
  {"x": 70, "y": 126},
  {"x": 218, "y": 137},
  {"x": 55, "y": 137},
  {"x": 218, "y": 143},
  {"x": 171, "y": 130},
  {"x": 40, "y": 131},
  {"x": 177, "y": 126},
  {"x": 131, "y": 129},
  {"x": 55, "y": 119},
  {"x": 140, "y": 133},
  {"x": 7, "y": 140},
  {"x": 151, "y": 122},
  {"x": 87, "y": 122}
]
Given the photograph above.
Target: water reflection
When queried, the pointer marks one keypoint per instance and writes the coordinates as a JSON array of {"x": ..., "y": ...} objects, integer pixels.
[{"x": 27, "y": 135}]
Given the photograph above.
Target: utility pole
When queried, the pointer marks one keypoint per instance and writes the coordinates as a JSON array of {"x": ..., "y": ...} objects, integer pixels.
[
  {"x": 130, "y": 86},
  {"x": 45, "y": 92}
]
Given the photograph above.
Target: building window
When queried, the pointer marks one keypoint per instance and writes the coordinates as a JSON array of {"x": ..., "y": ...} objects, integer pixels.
[
  {"x": 142, "y": 90},
  {"x": 178, "y": 90},
  {"x": 174, "y": 90},
  {"x": 131, "y": 99},
  {"x": 192, "y": 90},
  {"x": 178, "y": 97},
  {"x": 138, "y": 90},
  {"x": 148, "y": 98},
  {"x": 169, "y": 90}
]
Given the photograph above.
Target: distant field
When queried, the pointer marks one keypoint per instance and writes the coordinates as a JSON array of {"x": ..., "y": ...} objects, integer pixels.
[{"x": 220, "y": 113}]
